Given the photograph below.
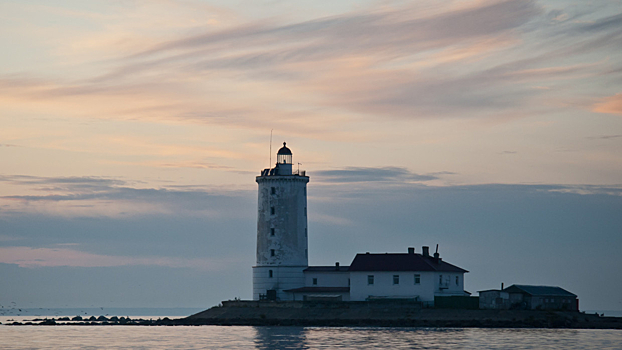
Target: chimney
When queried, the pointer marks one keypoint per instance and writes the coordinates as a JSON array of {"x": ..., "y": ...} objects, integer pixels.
[
  {"x": 501, "y": 285},
  {"x": 411, "y": 250},
  {"x": 426, "y": 251},
  {"x": 337, "y": 266}
]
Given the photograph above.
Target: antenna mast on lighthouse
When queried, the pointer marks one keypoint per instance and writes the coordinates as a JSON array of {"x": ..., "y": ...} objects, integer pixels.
[{"x": 270, "y": 165}]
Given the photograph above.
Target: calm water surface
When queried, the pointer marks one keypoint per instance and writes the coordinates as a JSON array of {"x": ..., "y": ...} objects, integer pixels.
[{"x": 215, "y": 337}]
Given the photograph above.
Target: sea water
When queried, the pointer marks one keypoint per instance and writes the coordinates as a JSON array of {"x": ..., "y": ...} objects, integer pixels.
[{"x": 240, "y": 337}]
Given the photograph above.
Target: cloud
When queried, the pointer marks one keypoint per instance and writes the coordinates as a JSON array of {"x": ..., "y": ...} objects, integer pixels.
[
  {"x": 54, "y": 257},
  {"x": 611, "y": 105},
  {"x": 371, "y": 174},
  {"x": 98, "y": 196},
  {"x": 473, "y": 225},
  {"x": 604, "y": 137},
  {"x": 472, "y": 59},
  {"x": 349, "y": 61},
  {"x": 604, "y": 24},
  {"x": 382, "y": 31},
  {"x": 72, "y": 182}
]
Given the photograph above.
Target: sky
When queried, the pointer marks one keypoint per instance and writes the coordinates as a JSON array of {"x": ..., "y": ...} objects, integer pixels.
[{"x": 132, "y": 131}]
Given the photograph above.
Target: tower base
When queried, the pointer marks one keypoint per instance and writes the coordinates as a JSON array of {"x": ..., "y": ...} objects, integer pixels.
[{"x": 283, "y": 278}]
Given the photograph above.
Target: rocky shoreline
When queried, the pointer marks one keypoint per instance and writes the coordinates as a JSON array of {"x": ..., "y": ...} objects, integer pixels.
[{"x": 94, "y": 321}]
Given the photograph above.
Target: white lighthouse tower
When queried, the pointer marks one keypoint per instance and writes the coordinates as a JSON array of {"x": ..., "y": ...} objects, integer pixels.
[{"x": 282, "y": 253}]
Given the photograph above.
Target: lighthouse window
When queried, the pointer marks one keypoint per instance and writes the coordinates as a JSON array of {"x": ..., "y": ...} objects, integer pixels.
[
  {"x": 306, "y": 254},
  {"x": 370, "y": 279},
  {"x": 315, "y": 281},
  {"x": 270, "y": 273},
  {"x": 272, "y": 231},
  {"x": 304, "y": 191},
  {"x": 271, "y": 210},
  {"x": 305, "y": 232},
  {"x": 272, "y": 252},
  {"x": 273, "y": 190},
  {"x": 305, "y": 211}
]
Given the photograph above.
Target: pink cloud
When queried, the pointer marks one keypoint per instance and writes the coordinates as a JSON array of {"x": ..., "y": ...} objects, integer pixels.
[
  {"x": 55, "y": 257},
  {"x": 611, "y": 105}
]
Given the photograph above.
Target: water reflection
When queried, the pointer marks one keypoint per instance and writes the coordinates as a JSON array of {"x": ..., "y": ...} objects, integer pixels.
[
  {"x": 238, "y": 338},
  {"x": 267, "y": 338}
]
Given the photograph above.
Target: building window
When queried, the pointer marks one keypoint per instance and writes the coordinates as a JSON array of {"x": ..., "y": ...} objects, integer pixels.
[
  {"x": 440, "y": 280},
  {"x": 272, "y": 231},
  {"x": 305, "y": 211},
  {"x": 457, "y": 280},
  {"x": 272, "y": 252},
  {"x": 270, "y": 273},
  {"x": 370, "y": 279},
  {"x": 273, "y": 190},
  {"x": 396, "y": 279},
  {"x": 417, "y": 279},
  {"x": 271, "y": 210},
  {"x": 306, "y": 253},
  {"x": 315, "y": 281},
  {"x": 348, "y": 282}
]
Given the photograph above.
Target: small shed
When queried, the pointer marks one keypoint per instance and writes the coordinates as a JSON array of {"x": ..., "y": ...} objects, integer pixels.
[
  {"x": 527, "y": 297},
  {"x": 541, "y": 298}
]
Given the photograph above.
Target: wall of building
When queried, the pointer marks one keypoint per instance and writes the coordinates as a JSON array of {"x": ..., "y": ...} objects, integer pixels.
[
  {"x": 445, "y": 283},
  {"x": 494, "y": 300},
  {"x": 383, "y": 285},
  {"x": 285, "y": 211},
  {"x": 327, "y": 279},
  {"x": 552, "y": 303}
]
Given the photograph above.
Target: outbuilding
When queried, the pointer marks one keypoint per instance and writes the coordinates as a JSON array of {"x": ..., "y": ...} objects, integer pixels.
[{"x": 527, "y": 297}]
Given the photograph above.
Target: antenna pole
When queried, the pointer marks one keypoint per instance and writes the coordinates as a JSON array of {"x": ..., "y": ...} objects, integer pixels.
[{"x": 270, "y": 165}]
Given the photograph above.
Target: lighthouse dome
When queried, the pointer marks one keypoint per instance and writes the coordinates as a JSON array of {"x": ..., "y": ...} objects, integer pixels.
[{"x": 284, "y": 150}]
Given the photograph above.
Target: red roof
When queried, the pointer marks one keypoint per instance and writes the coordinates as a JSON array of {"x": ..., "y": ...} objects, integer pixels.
[{"x": 401, "y": 262}]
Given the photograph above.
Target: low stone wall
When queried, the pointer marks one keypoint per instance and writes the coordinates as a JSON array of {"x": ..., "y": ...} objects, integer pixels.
[
  {"x": 391, "y": 314},
  {"x": 381, "y": 303}
]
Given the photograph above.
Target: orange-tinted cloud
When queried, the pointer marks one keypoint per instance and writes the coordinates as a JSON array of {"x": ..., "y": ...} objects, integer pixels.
[
  {"x": 50, "y": 257},
  {"x": 611, "y": 105}
]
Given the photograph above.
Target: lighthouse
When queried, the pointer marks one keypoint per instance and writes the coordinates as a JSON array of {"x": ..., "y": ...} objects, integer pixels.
[{"x": 282, "y": 245}]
